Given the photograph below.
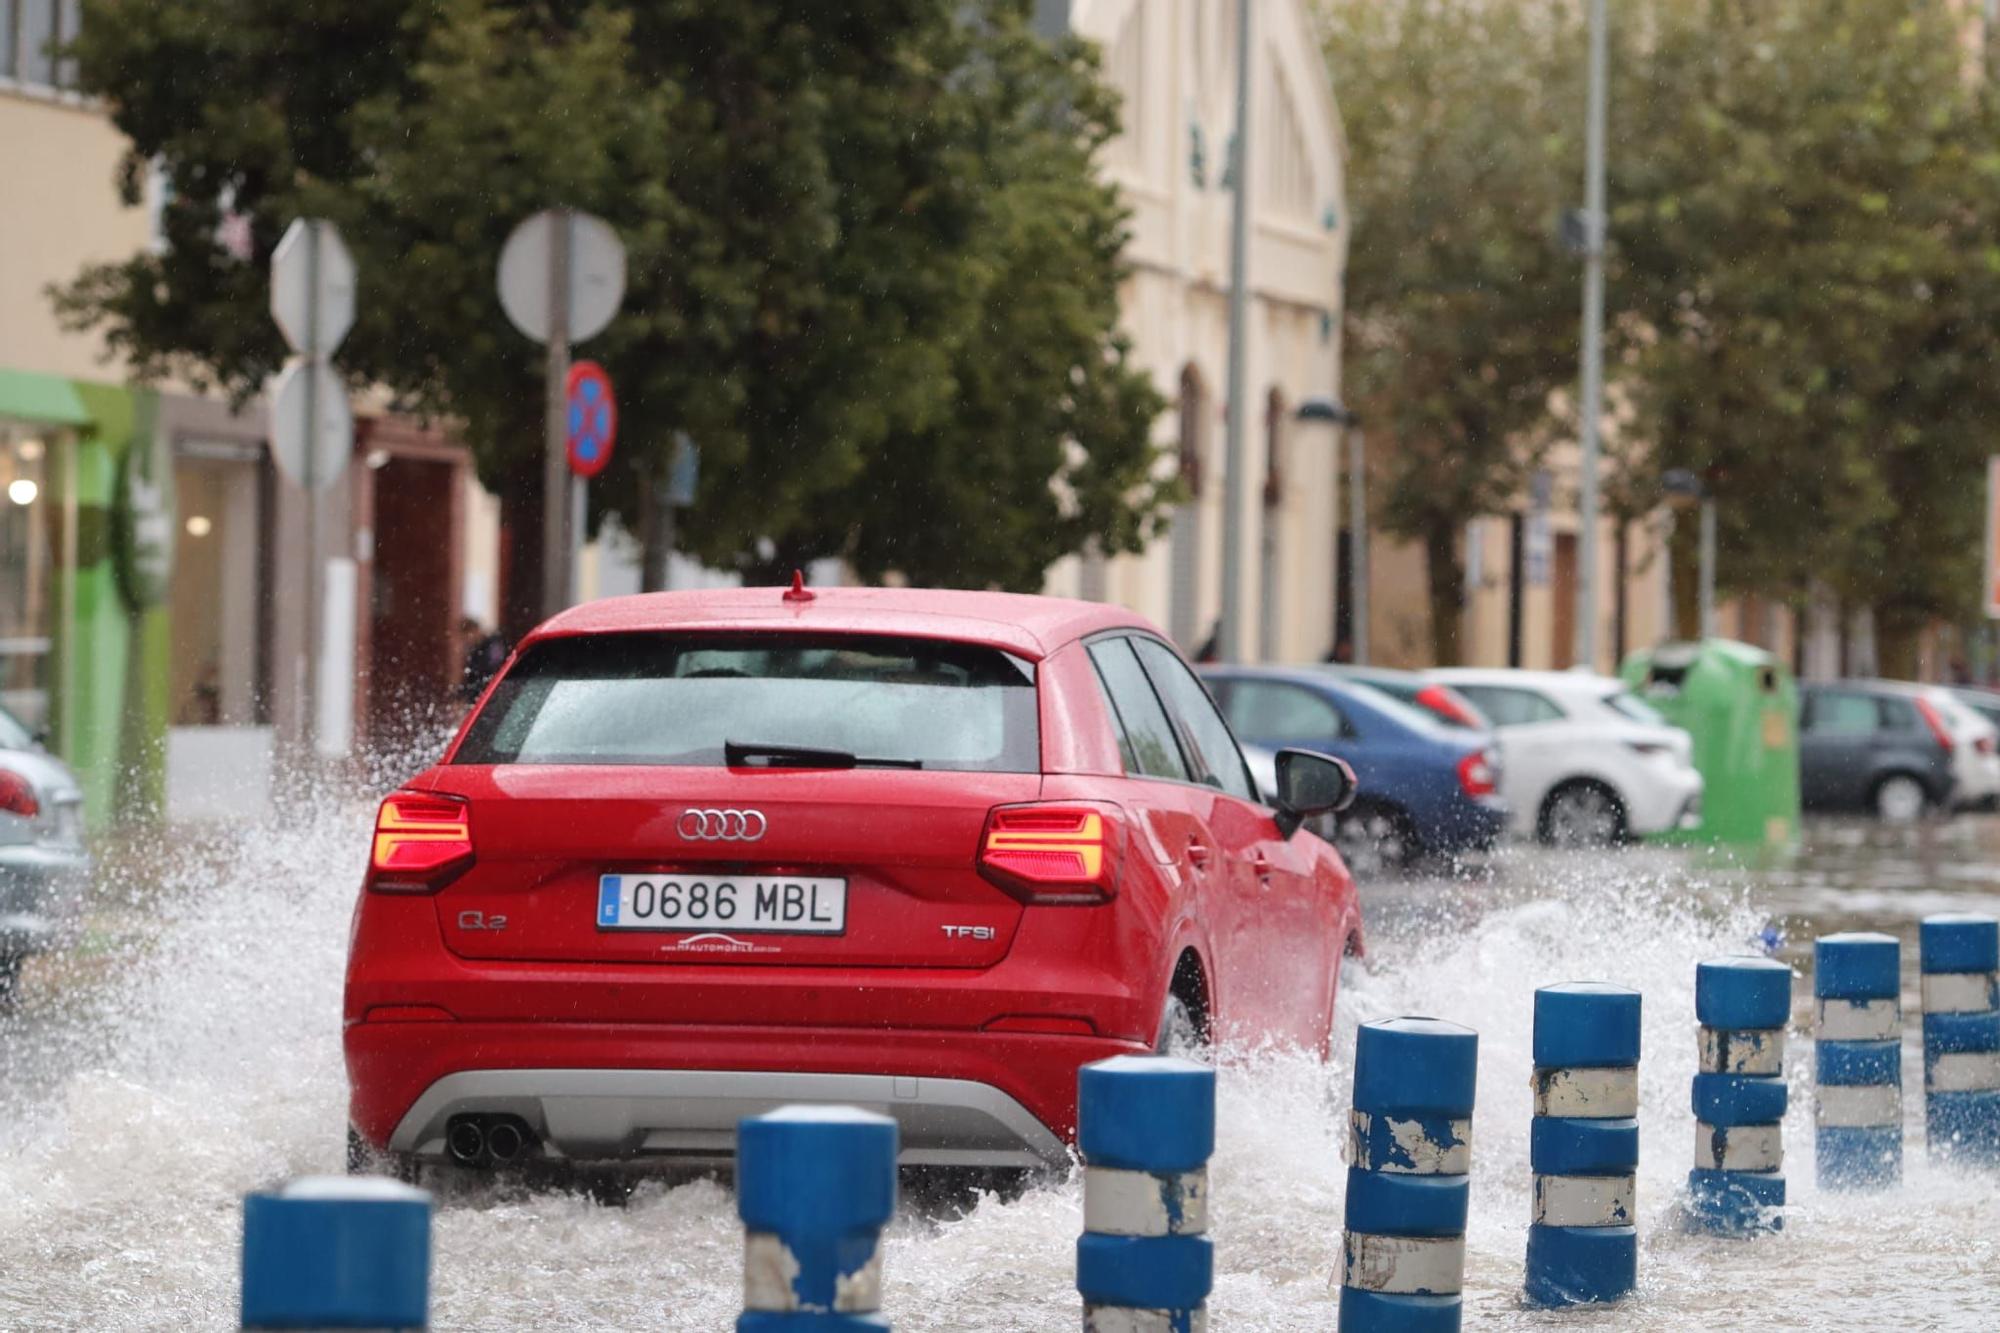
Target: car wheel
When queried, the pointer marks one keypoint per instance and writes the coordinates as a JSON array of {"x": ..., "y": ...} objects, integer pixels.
[
  {"x": 1900, "y": 798},
  {"x": 1582, "y": 814},
  {"x": 1374, "y": 839},
  {"x": 364, "y": 1159},
  {"x": 1180, "y": 1034}
]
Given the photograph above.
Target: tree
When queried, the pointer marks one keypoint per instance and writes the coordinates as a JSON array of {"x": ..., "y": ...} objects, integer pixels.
[
  {"x": 1461, "y": 311},
  {"x": 1801, "y": 193},
  {"x": 820, "y": 204}
]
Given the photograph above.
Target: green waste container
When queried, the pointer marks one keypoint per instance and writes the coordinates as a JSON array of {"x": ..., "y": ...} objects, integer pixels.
[{"x": 1741, "y": 707}]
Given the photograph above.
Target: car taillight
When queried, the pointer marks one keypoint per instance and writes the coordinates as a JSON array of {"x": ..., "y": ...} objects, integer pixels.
[
  {"x": 1649, "y": 747},
  {"x": 1450, "y": 705},
  {"x": 17, "y": 796},
  {"x": 1479, "y": 773},
  {"x": 421, "y": 841},
  {"x": 1936, "y": 724},
  {"x": 1052, "y": 853}
]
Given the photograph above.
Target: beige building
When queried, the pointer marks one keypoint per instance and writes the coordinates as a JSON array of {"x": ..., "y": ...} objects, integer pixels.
[{"x": 1174, "y": 63}]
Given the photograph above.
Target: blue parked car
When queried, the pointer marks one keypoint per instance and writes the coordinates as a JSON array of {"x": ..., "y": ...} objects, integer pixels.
[{"x": 1426, "y": 788}]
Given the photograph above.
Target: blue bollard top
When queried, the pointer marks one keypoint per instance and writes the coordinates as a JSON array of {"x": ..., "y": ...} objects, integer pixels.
[
  {"x": 337, "y": 1252},
  {"x": 1586, "y": 1025},
  {"x": 1742, "y": 993},
  {"x": 1858, "y": 965},
  {"x": 1959, "y": 942},
  {"x": 1405, "y": 1066},
  {"x": 816, "y": 1171},
  {"x": 1146, "y": 1113}
]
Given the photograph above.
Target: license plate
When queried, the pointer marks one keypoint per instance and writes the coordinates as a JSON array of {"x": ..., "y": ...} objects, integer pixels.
[{"x": 770, "y": 904}]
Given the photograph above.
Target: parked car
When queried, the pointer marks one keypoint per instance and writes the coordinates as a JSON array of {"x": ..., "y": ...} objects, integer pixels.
[
  {"x": 1869, "y": 745},
  {"x": 1425, "y": 787},
  {"x": 701, "y": 854},
  {"x": 1975, "y": 751},
  {"x": 43, "y": 864},
  {"x": 1588, "y": 763},
  {"x": 1411, "y": 687}
]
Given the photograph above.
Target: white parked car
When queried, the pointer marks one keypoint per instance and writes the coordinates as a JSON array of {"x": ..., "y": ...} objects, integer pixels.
[
  {"x": 1975, "y": 742},
  {"x": 1585, "y": 761}
]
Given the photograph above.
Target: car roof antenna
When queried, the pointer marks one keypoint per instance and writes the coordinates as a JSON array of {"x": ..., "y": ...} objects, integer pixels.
[{"x": 798, "y": 592}]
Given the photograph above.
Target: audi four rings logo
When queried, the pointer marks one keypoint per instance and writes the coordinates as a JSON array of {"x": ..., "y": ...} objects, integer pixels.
[{"x": 722, "y": 825}]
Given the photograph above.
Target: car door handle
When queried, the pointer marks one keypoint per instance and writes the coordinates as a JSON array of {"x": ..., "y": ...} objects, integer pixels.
[{"x": 1197, "y": 853}]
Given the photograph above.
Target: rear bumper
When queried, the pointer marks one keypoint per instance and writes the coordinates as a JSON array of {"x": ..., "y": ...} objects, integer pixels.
[
  {"x": 1466, "y": 825},
  {"x": 1661, "y": 803},
  {"x": 597, "y": 1092},
  {"x": 41, "y": 889}
]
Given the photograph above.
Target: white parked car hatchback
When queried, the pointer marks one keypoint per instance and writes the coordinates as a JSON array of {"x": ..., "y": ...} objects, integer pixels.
[{"x": 1586, "y": 761}]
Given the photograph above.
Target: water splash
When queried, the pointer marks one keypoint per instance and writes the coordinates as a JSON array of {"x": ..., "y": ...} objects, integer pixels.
[{"x": 203, "y": 1061}]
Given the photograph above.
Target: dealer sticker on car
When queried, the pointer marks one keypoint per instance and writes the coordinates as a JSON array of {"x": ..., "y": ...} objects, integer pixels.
[{"x": 778, "y": 904}]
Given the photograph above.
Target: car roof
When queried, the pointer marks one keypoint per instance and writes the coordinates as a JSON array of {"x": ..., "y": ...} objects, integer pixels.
[
  {"x": 1558, "y": 681},
  {"x": 1365, "y": 674},
  {"x": 1020, "y": 623}
]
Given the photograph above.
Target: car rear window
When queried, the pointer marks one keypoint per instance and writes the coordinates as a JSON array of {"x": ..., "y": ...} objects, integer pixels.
[
  {"x": 678, "y": 699},
  {"x": 1634, "y": 708}
]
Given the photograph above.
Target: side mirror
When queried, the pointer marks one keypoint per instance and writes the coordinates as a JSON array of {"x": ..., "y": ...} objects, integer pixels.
[{"x": 1311, "y": 784}]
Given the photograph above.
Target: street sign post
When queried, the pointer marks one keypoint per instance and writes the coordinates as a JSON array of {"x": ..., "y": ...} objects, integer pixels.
[
  {"x": 312, "y": 431},
  {"x": 562, "y": 276}
]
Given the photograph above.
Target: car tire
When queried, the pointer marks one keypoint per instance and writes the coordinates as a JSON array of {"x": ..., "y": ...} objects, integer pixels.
[
  {"x": 1180, "y": 1031},
  {"x": 364, "y": 1159},
  {"x": 1581, "y": 814},
  {"x": 1375, "y": 838},
  {"x": 1899, "y": 798}
]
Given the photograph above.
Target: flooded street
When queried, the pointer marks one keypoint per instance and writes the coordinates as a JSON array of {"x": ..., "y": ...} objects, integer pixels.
[{"x": 193, "y": 1054}]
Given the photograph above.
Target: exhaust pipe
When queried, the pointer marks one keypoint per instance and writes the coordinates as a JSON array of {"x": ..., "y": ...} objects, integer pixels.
[
  {"x": 465, "y": 1140},
  {"x": 505, "y": 1140}
]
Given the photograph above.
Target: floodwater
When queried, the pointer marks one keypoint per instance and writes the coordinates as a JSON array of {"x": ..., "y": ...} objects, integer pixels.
[{"x": 192, "y": 1053}]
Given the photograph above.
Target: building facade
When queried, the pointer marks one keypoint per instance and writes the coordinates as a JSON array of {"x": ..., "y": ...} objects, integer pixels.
[{"x": 1173, "y": 62}]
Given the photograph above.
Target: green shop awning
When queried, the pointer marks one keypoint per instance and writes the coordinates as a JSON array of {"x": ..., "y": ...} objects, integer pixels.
[{"x": 47, "y": 400}]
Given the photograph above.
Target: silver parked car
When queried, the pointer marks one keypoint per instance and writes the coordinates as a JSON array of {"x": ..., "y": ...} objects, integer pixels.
[{"x": 43, "y": 864}]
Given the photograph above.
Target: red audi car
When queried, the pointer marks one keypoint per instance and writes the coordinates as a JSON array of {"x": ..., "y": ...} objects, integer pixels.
[{"x": 699, "y": 854}]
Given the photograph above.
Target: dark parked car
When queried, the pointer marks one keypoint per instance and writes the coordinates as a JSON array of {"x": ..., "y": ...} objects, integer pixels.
[
  {"x": 1869, "y": 746},
  {"x": 1425, "y": 787}
]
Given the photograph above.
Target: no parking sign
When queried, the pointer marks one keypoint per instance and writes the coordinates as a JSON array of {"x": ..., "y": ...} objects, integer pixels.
[{"x": 593, "y": 418}]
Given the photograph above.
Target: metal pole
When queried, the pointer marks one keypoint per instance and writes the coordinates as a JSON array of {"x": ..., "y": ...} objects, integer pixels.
[
  {"x": 555, "y": 464},
  {"x": 1358, "y": 541},
  {"x": 1669, "y": 623},
  {"x": 1231, "y": 647},
  {"x": 1592, "y": 406},
  {"x": 1708, "y": 567},
  {"x": 309, "y": 640}
]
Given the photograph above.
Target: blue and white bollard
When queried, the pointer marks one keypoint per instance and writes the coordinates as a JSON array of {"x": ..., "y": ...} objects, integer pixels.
[
  {"x": 337, "y": 1252},
  {"x": 1737, "y": 1183},
  {"x": 1960, "y": 955},
  {"x": 1146, "y": 1128},
  {"x": 1583, "y": 1245},
  {"x": 815, "y": 1185},
  {"x": 1858, "y": 1060},
  {"x": 1409, "y": 1161}
]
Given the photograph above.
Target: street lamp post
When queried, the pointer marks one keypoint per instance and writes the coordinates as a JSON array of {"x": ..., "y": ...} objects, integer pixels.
[
  {"x": 1239, "y": 299},
  {"x": 1592, "y": 404}
]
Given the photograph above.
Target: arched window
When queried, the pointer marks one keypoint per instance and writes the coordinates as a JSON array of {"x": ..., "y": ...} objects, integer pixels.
[
  {"x": 1275, "y": 420},
  {"x": 1193, "y": 430}
]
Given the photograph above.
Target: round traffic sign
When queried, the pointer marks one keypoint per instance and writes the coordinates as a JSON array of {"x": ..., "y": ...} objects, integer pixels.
[{"x": 593, "y": 418}]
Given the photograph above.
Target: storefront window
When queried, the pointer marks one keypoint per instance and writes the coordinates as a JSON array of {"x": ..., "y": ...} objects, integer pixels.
[
  {"x": 217, "y": 585},
  {"x": 26, "y": 582}
]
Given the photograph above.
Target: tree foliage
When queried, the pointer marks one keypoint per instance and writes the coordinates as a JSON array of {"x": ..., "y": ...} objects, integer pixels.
[
  {"x": 870, "y": 269},
  {"x": 1803, "y": 295},
  {"x": 1461, "y": 312}
]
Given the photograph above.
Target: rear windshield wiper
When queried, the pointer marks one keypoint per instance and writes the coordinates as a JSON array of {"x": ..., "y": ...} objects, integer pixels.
[{"x": 738, "y": 754}]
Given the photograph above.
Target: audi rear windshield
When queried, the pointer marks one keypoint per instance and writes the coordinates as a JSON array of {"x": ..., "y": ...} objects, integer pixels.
[{"x": 774, "y": 700}]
